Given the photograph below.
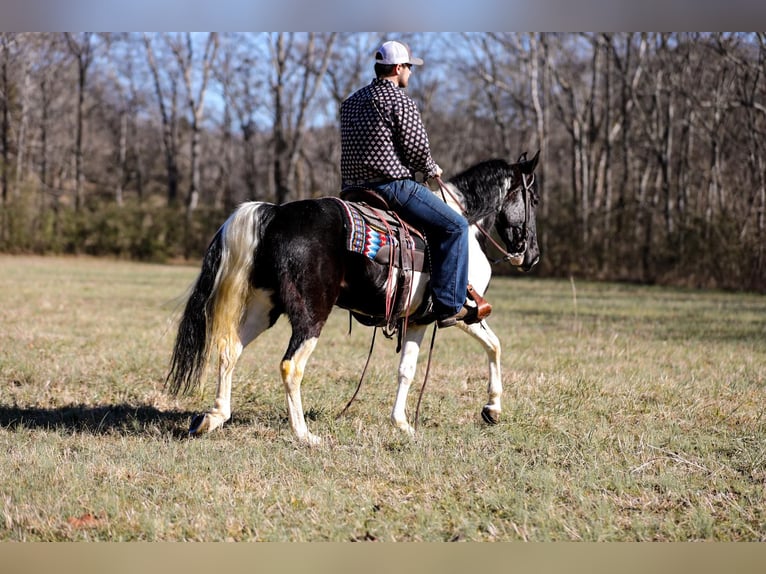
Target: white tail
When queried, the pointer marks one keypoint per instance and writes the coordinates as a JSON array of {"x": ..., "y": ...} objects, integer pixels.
[{"x": 241, "y": 234}]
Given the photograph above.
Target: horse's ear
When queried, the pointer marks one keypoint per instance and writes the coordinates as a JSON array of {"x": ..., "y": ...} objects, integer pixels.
[
  {"x": 533, "y": 161},
  {"x": 528, "y": 166}
]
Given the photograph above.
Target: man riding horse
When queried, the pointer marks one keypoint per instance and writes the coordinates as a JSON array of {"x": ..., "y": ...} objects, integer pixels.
[
  {"x": 383, "y": 145},
  {"x": 295, "y": 259}
]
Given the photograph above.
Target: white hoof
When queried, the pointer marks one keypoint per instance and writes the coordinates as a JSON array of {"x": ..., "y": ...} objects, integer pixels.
[
  {"x": 405, "y": 427},
  {"x": 310, "y": 439}
]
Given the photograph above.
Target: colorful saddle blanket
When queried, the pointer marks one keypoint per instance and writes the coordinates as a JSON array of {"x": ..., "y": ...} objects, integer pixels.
[{"x": 380, "y": 236}]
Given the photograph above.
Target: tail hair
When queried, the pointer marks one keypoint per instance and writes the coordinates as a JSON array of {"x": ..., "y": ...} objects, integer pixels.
[{"x": 218, "y": 299}]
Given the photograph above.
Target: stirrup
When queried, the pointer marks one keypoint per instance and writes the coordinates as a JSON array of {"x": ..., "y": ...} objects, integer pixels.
[{"x": 484, "y": 309}]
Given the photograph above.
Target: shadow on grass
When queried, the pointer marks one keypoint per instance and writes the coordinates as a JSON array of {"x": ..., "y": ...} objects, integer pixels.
[{"x": 122, "y": 419}]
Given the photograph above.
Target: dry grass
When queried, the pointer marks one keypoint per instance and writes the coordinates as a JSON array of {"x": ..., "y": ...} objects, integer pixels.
[{"x": 631, "y": 413}]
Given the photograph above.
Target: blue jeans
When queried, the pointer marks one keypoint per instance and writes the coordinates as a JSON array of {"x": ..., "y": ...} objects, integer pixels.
[{"x": 447, "y": 233}]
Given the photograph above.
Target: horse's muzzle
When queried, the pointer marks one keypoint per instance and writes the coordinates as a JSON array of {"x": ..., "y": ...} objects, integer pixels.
[{"x": 528, "y": 266}]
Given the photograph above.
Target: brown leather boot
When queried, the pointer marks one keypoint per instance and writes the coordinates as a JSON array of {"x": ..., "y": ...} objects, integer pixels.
[
  {"x": 469, "y": 315},
  {"x": 466, "y": 314}
]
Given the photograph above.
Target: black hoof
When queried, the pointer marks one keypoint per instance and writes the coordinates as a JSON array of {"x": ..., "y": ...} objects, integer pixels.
[
  {"x": 196, "y": 423},
  {"x": 489, "y": 416}
]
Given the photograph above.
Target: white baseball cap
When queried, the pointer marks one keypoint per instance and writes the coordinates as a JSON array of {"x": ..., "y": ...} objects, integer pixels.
[{"x": 393, "y": 52}]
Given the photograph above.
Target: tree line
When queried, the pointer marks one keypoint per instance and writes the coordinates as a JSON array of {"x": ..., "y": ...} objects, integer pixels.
[{"x": 138, "y": 145}]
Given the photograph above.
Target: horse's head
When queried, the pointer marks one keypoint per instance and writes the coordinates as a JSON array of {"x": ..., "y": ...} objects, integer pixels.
[{"x": 516, "y": 223}]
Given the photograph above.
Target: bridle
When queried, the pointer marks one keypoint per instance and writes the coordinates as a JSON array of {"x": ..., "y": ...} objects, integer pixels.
[{"x": 526, "y": 190}]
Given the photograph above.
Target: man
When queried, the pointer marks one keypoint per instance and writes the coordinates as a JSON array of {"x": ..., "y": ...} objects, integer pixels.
[{"x": 383, "y": 145}]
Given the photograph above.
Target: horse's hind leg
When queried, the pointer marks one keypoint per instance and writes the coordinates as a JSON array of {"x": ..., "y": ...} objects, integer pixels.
[
  {"x": 292, "y": 368},
  {"x": 229, "y": 353},
  {"x": 257, "y": 319},
  {"x": 307, "y": 313}
]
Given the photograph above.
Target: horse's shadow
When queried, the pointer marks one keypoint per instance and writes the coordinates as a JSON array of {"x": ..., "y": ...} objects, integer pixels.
[{"x": 122, "y": 419}]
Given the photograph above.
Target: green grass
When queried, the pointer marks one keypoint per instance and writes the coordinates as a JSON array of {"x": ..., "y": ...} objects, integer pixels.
[{"x": 630, "y": 413}]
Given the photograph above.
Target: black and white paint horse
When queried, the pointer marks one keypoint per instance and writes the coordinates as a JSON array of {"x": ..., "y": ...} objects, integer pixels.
[{"x": 267, "y": 260}]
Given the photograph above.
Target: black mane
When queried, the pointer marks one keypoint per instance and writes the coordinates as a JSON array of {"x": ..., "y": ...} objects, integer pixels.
[{"x": 482, "y": 187}]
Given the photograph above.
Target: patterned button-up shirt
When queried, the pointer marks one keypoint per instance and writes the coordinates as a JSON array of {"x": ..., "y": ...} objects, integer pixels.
[{"x": 382, "y": 136}]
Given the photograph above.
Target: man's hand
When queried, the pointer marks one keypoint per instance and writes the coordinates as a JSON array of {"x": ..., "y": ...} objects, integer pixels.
[{"x": 431, "y": 182}]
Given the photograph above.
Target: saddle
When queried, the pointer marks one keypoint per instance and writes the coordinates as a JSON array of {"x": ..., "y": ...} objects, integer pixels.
[{"x": 379, "y": 233}]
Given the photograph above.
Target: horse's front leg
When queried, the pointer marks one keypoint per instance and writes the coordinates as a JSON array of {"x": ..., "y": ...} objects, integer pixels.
[
  {"x": 407, "y": 366},
  {"x": 479, "y": 273},
  {"x": 481, "y": 331}
]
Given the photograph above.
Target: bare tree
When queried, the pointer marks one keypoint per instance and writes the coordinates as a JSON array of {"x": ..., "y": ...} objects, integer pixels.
[
  {"x": 23, "y": 123},
  {"x": 5, "y": 121},
  {"x": 183, "y": 48},
  {"x": 168, "y": 113},
  {"x": 539, "y": 82},
  {"x": 493, "y": 68},
  {"x": 292, "y": 98},
  {"x": 81, "y": 48},
  {"x": 242, "y": 72},
  {"x": 571, "y": 101},
  {"x": 628, "y": 67},
  {"x": 124, "y": 85},
  {"x": 748, "y": 60}
]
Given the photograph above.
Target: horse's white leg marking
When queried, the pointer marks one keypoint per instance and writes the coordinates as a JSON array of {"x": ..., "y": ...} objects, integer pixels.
[
  {"x": 255, "y": 322},
  {"x": 491, "y": 344},
  {"x": 292, "y": 375},
  {"x": 407, "y": 366},
  {"x": 229, "y": 351}
]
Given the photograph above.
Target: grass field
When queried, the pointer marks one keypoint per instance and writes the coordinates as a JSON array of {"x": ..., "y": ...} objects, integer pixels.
[{"x": 630, "y": 414}]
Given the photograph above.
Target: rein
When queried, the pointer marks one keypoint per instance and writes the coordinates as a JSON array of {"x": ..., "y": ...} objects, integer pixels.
[
  {"x": 364, "y": 371},
  {"x": 507, "y": 256},
  {"x": 367, "y": 364}
]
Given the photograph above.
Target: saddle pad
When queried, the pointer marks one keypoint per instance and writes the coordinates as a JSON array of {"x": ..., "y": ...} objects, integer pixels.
[{"x": 367, "y": 234}]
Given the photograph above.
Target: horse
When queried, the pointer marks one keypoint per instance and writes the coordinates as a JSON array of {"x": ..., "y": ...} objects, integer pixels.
[{"x": 267, "y": 260}]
